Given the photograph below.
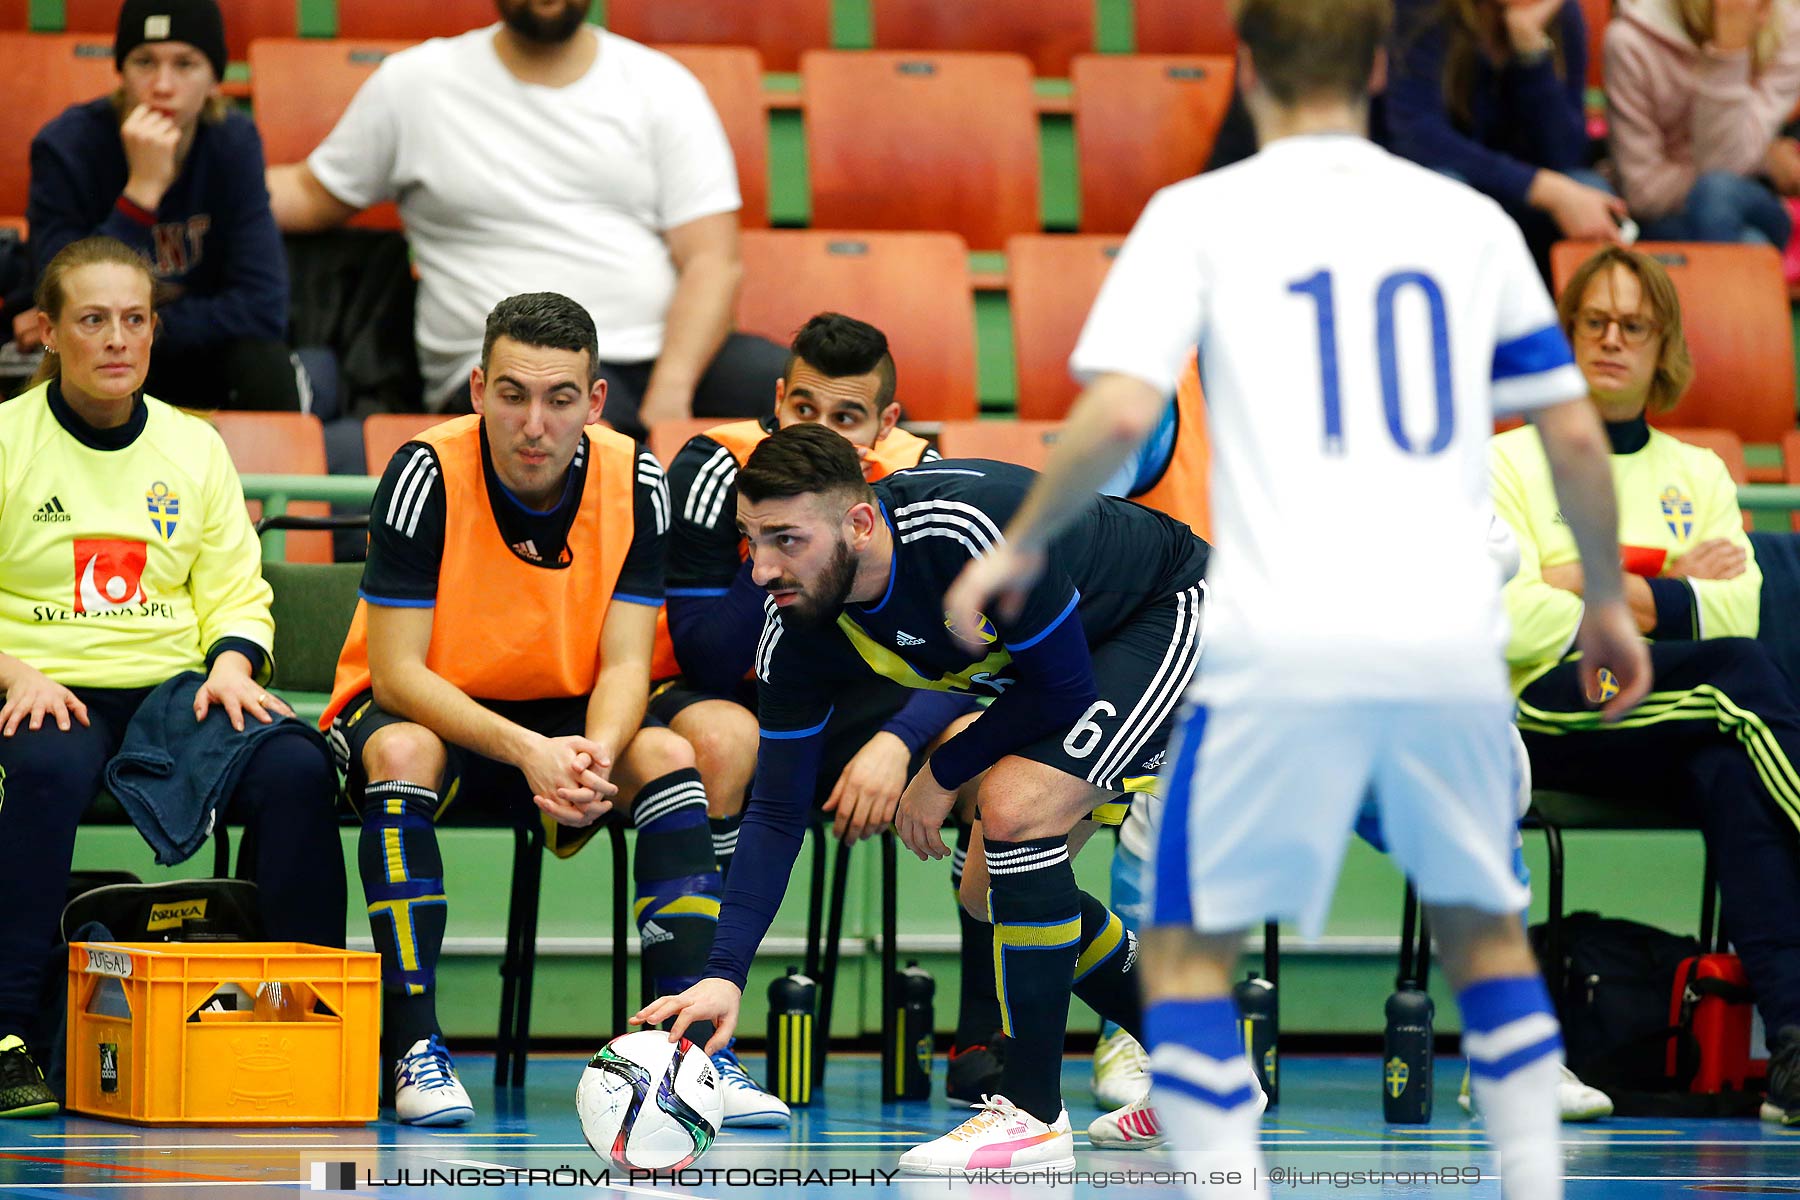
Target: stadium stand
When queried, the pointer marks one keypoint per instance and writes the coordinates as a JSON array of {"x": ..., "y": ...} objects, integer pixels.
[
  {"x": 1052, "y": 281},
  {"x": 668, "y": 437},
  {"x": 15, "y": 15},
  {"x": 1141, "y": 123},
  {"x": 780, "y": 30},
  {"x": 66, "y": 68},
  {"x": 877, "y": 154},
  {"x": 732, "y": 76},
  {"x": 281, "y": 443},
  {"x": 1184, "y": 27},
  {"x": 301, "y": 86},
  {"x": 410, "y": 20},
  {"x": 913, "y": 286},
  {"x": 384, "y": 433},
  {"x": 1026, "y": 443},
  {"x": 1049, "y": 32}
]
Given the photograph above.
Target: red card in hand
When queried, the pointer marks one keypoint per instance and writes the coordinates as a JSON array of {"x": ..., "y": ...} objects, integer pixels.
[{"x": 1643, "y": 560}]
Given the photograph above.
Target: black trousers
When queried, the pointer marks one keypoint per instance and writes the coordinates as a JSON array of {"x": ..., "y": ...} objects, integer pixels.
[
  {"x": 1720, "y": 734},
  {"x": 739, "y": 382},
  {"x": 285, "y": 799}
]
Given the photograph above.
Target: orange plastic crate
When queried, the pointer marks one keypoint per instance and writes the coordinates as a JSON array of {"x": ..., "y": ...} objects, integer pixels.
[{"x": 152, "y": 1065}]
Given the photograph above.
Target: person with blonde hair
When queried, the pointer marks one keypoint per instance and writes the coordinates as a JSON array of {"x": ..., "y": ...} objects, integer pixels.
[
  {"x": 1698, "y": 91},
  {"x": 1721, "y": 733},
  {"x": 131, "y": 590}
]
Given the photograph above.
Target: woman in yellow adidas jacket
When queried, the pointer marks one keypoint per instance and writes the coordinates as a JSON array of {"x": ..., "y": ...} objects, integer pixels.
[
  {"x": 1721, "y": 729},
  {"x": 126, "y": 558}
]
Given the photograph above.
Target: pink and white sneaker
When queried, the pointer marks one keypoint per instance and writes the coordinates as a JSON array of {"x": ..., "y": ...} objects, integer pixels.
[
  {"x": 1001, "y": 1136},
  {"x": 1134, "y": 1127}
]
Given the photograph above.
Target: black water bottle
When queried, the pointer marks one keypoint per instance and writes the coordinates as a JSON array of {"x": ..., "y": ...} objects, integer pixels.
[
  {"x": 1259, "y": 1020},
  {"x": 906, "y": 1060},
  {"x": 792, "y": 1000},
  {"x": 1406, "y": 1059}
]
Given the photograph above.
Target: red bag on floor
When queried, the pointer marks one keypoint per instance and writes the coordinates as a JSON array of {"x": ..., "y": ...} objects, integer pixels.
[{"x": 1714, "y": 1007}]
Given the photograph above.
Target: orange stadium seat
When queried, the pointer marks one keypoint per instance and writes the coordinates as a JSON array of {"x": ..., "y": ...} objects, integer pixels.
[
  {"x": 732, "y": 76},
  {"x": 1596, "y": 13},
  {"x": 15, "y": 15},
  {"x": 1184, "y": 27},
  {"x": 384, "y": 433},
  {"x": 1051, "y": 282},
  {"x": 922, "y": 141},
  {"x": 301, "y": 86},
  {"x": 1142, "y": 123},
  {"x": 1790, "y": 465},
  {"x": 1026, "y": 443},
  {"x": 64, "y": 69},
  {"x": 411, "y": 20},
  {"x": 779, "y": 29},
  {"x": 281, "y": 443},
  {"x": 245, "y": 20},
  {"x": 1734, "y": 308},
  {"x": 1048, "y": 32},
  {"x": 668, "y": 437},
  {"x": 914, "y": 287}
]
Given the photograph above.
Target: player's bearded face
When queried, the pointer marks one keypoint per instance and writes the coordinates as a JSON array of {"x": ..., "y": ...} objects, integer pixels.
[
  {"x": 543, "y": 21},
  {"x": 818, "y": 602}
]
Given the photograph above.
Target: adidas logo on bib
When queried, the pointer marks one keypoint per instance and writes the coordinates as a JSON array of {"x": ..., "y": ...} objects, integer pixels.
[{"x": 903, "y": 638}]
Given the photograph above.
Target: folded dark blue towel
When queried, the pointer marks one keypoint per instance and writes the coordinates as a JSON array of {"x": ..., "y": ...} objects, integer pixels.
[{"x": 172, "y": 772}]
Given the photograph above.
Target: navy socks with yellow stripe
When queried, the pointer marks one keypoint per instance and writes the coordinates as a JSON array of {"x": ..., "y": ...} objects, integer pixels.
[
  {"x": 403, "y": 884},
  {"x": 1106, "y": 977},
  {"x": 978, "y": 1009},
  {"x": 1040, "y": 918},
  {"x": 677, "y": 906}
]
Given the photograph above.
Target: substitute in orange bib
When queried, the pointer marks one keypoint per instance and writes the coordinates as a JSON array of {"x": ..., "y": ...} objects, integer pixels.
[{"x": 501, "y": 651}]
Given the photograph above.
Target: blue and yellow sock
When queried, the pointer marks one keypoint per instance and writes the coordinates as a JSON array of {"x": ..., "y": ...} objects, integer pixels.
[
  {"x": 403, "y": 884},
  {"x": 1036, "y": 911},
  {"x": 978, "y": 1008}
]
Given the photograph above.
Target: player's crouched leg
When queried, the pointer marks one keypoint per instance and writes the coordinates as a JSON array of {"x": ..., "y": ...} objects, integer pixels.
[
  {"x": 677, "y": 907},
  {"x": 723, "y": 735}
]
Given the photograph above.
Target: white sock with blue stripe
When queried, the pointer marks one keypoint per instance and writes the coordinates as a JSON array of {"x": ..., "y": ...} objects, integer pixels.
[
  {"x": 1515, "y": 1062},
  {"x": 1205, "y": 1093}
]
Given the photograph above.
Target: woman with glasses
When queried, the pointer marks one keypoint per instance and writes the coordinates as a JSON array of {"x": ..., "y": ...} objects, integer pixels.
[{"x": 1720, "y": 731}]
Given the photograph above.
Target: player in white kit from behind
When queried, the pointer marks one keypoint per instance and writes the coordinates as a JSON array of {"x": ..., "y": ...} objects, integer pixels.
[{"x": 1361, "y": 321}]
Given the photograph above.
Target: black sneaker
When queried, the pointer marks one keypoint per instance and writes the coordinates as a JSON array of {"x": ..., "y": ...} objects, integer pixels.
[
  {"x": 1782, "y": 1107},
  {"x": 974, "y": 1071},
  {"x": 23, "y": 1092}
]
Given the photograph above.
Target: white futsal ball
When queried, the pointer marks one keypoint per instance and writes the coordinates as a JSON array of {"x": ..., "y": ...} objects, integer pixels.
[{"x": 650, "y": 1103}]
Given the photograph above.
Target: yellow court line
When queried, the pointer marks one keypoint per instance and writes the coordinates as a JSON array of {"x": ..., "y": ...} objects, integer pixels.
[
  {"x": 285, "y": 1135},
  {"x": 485, "y": 1135}
]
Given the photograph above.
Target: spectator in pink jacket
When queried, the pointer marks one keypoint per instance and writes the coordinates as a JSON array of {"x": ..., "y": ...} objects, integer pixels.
[{"x": 1699, "y": 90}]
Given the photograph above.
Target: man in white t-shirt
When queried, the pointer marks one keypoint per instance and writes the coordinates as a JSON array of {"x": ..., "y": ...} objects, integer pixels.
[
  {"x": 1360, "y": 322},
  {"x": 543, "y": 154}
]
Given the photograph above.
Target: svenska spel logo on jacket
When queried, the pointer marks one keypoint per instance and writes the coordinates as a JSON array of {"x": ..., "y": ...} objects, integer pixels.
[{"x": 109, "y": 574}]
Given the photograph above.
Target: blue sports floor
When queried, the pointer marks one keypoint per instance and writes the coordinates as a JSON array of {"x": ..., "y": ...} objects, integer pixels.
[{"x": 1329, "y": 1120}]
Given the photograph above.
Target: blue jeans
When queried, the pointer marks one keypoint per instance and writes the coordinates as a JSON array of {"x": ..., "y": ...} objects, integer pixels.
[{"x": 1722, "y": 207}]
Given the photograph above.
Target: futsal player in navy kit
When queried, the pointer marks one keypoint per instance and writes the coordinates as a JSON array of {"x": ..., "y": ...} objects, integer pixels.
[{"x": 1084, "y": 683}]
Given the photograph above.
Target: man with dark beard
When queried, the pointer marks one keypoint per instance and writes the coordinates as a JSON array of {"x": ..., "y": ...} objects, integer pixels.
[
  {"x": 541, "y": 153},
  {"x": 1084, "y": 671}
]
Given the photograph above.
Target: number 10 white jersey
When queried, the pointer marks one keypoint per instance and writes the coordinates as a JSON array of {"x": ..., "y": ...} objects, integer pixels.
[{"x": 1360, "y": 320}]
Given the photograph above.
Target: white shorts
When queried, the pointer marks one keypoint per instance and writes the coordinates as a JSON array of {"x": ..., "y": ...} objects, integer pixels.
[{"x": 1261, "y": 798}]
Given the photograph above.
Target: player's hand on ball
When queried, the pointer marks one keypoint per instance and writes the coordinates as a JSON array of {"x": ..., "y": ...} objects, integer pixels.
[
  {"x": 714, "y": 1000},
  {"x": 866, "y": 794},
  {"x": 921, "y": 816},
  {"x": 998, "y": 581}
]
